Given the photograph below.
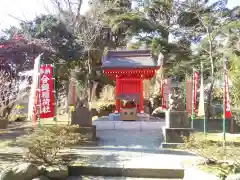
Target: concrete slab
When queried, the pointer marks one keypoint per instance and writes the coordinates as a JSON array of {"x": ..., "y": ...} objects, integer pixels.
[
  {"x": 132, "y": 149},
  {"x": 152, "y": 125},
  {"x": 104, "y": 125},
  {"x": 130, "y": 139},
  {"x": 110, "y": 178},
  {"x": 128, "y": 125}
]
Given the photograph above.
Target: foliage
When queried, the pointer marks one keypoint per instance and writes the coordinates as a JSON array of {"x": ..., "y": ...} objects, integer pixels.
[
  {"x": 235, "y": 79},
  {"x": 9, "y": 93},
  {"x": 107, "y": 94},
  {"x": 225, "y": 159},
  {"x": 148, "y": 89},
  {"x": 217, "y": 95},
  {"x": 44, "y": 144},
  {"x": 107, "y": 106},
  {"x": 236, "y": 116}
]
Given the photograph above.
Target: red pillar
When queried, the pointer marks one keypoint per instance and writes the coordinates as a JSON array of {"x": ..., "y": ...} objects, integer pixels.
[
  {"x": 117, "y": 90},
  {"x": 141, "y": 98}
]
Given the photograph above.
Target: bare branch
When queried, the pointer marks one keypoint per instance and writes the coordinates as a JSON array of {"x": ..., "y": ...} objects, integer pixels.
[{"x": 9, "y": 93}]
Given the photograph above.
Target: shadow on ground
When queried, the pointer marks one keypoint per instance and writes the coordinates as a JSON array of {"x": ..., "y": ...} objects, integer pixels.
[
  {"x": 10, "y": 157},
  {"x": 150, "y": 151}
]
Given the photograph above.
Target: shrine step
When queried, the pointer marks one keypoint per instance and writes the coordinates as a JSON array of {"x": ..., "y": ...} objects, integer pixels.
[
  {"x": 89, "y": 143},
  {"x": 125, "y": 172},
  {"x": 112, "y": 178},
  {"x": 88, "y": 133},
  {"x": 170, "y": 145}
]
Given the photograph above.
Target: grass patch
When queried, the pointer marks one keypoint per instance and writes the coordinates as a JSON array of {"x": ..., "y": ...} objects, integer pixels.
[
  {"x": 5, "y": 143},
  {"x": 210, "y": 169},
  {"x": 216, "y": 137},
  {"x": 217, "y": 159}
]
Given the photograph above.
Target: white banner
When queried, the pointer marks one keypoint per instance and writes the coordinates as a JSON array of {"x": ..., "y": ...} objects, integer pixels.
[{"x": 34, "y": 86}]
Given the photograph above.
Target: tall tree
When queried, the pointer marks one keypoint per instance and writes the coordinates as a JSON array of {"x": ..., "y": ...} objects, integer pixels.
[{"x": 211, "y": 22}]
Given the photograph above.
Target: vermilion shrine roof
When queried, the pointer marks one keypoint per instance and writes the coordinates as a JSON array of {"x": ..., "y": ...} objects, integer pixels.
[{"x": 129, "y": 59}]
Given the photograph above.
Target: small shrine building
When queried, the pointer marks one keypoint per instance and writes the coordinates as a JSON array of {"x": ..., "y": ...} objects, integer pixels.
[{"x": 129, "y": 68}]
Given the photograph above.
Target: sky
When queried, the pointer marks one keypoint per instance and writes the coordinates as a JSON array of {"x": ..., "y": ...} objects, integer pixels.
[{"x": 11, "y": 10}]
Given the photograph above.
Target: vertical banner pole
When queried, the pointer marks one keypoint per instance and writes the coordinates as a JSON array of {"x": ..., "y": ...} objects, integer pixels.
[
  {"x": 224, "y": 101},
  {"x": 202, "y": 89},
  {"x": 202, "y": 111},
  {"x": 201, "y": 105},
  {"x": 39, "y": 97},
  {"x": 54, "y": 93},
  {"x": 192, "y": 99},
  {"x": 185, "y": 89}
]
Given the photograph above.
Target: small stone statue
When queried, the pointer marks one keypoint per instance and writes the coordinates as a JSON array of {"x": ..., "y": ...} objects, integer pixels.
[{"x": 176, "y": 102}]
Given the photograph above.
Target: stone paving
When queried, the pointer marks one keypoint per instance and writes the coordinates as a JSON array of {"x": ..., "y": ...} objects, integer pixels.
[
  {"x": 121, "y": 148},
  {"x": 132, "y": 149},
  {"x": 114, "y": 178}
]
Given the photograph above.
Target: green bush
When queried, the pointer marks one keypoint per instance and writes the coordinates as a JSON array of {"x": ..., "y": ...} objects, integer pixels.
[
  {"x": 45, "y": 144},
  {"x": 107, "y": 107}
]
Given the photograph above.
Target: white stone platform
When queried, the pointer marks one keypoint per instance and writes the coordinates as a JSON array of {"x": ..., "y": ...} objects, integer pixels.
[{"x": 129, "y": 125}]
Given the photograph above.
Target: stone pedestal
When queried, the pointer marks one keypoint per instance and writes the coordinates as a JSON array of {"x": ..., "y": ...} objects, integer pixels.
[
  {"x": 82, "y": 116},
  {"x": 177, "y": 126}
]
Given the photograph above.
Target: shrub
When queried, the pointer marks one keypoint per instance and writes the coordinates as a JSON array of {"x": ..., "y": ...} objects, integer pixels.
[
  {"x": 224, "y": 159},
  {"x": 110, "y": 107},
  {"x": 44, "y": 144},
  {"x": 105, "y": 109},
  {"x": 107, "y": 94}
]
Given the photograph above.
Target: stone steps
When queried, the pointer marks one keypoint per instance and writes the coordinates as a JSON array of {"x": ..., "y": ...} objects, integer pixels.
[
  {"x": 77, "y": 170},
  {"x": 127, "y": 162},
  {"x": 112, "y": 178},
  {"x": 129, "y": 125}
]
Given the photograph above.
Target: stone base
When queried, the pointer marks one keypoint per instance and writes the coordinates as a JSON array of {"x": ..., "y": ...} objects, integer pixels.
[
  {"x": 3, "y": 124},
  {"x": 170, "y": 145},
  {"x": 176, "y": 119},
  {"x": 137, "y": 172},
  {"x": 174, "y": 135},
  {"x": 140, "y": 117},
  {"x": 156, "y": 125},
  {"x": 89, "y": 132}
]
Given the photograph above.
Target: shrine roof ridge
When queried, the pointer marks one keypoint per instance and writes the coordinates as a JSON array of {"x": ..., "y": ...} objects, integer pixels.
[
  {"x": 129, "y": 53},
  {"x": 129, "y": 59}
]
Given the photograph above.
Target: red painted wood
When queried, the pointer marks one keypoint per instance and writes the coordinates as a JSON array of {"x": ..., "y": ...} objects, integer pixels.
[
  {"x": 130, "y": 81},
  {"x": 141, "y": 103},
  {"x": 117, "y": 93}
]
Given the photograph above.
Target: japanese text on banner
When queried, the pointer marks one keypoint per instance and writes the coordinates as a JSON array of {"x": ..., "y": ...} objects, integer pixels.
[{"x": 46, "y": 92}]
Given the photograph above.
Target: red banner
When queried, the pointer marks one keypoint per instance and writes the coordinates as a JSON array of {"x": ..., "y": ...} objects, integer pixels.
[
  {"x": 189, "y": 95},
  {"x": 195, "y": 78},
  {"x": 46, "y": 91},
  {"x": 226, "y": 99}
]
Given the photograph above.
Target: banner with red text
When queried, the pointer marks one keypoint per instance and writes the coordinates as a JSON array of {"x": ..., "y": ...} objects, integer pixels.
[
  {"x": 189, "y": 95},
  {"x": 46, "y": 91},
  {"x": 195, "y": 79},
  {"x": 166, "y": 90},
  {"x": 226, "y": 99}
]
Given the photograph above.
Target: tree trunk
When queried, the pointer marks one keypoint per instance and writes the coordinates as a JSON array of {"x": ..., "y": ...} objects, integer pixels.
[{"x": 209, "y": 102}]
